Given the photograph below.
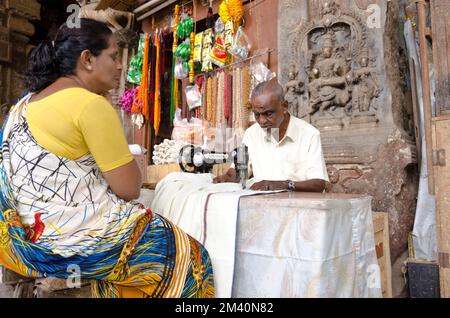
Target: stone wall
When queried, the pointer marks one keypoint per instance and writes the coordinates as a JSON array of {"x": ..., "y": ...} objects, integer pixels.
[
  {"x": 16, "y": 30},
  {"x": 343, "y": 72}
]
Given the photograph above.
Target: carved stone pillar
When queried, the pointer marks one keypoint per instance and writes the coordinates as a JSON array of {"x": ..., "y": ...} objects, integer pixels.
[{"x": 340, "y": 69}]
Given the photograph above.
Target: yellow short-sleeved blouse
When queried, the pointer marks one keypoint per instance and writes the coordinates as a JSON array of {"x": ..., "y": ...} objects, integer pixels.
[{"x": 74, "y": 122}]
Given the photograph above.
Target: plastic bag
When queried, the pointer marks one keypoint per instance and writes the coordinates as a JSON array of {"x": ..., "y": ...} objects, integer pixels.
[
  {"x": 191, "y": 132},
  {"x": 261, "y": 73},
  {"x": 193, "y": 97},
  {"x": 219, "y": 27},
  {"x": 183, "y": 50},
  {"x": 181, "y": 69},
  {"x": 135, "y": 69},
  {"x": 241, "y": 45}
]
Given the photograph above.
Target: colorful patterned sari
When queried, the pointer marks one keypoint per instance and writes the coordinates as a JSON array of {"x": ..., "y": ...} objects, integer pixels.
[{"x": 59, "y": 218}]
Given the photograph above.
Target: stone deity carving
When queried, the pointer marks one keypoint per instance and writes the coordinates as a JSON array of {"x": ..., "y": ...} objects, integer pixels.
[
  {"x": 366, "y": 85},
  {"x": 292, "y": 90},
  {"x": 328, "y": 88}
]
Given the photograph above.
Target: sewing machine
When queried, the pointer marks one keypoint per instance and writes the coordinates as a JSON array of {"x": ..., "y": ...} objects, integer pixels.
[{"x": 199, "y": 160}]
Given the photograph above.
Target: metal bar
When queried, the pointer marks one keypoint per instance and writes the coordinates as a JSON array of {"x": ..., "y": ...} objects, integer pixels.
[
  {"x": 236, "y": 63},
  {"x": 147, "y": 5},
  {"x": 426, "y": 91},
  {"x": 157, "y": 9}
]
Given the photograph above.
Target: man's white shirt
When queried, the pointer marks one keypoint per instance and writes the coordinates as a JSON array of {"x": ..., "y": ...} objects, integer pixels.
[{"x": 298, "y": 156}]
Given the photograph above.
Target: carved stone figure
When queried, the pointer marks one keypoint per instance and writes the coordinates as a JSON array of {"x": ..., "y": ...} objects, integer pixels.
[
  {"x": 328, "y": 84},
  {"x": 292, "y": 90},
  {"x": 337, "y": 79},
  {"x": 366, "y": 84}
]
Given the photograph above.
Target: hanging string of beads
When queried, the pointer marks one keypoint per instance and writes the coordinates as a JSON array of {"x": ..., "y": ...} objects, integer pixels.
[
  {"x": 234, "y": 103},
  {"x": 247, "y": 106},
  {"x": 140, "y": 104},
  {"x": 209, "y": 97},
  {"x": 220, "y": 118},
  {"x": 214, "y": 101},
  {"x": 227, "y": 97}
]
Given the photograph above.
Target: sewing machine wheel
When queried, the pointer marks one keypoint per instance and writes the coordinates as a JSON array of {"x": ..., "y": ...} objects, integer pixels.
[{"x": 185, "y": 159}]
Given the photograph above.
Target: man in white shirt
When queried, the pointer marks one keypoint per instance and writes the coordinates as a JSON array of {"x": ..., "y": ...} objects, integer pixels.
[{"x": 285, "y": 152}]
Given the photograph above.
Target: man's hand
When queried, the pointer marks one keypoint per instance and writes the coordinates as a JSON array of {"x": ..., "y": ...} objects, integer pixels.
[
  {"x": 270, "y": 186},
  {"x": 223, "y": 179},
  {"x": 229, "y": 177}
]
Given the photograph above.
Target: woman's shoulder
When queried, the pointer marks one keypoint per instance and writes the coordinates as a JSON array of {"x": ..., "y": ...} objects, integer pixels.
[
  {"x": 73, "y": 100},
  {"x": 77, "y": 95}
]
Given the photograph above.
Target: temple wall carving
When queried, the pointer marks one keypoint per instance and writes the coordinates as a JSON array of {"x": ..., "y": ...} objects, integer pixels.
[{"x": 339, "y": 64}]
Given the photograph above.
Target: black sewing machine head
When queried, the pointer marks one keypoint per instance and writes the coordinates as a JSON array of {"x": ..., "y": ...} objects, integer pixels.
[{"x": 198, "y": 160}]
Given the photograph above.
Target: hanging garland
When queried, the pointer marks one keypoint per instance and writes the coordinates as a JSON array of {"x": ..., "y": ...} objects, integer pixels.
[
  {"x": 157, "y": 105},
  {"x": 246, "y": 79},
  {"x": 223, "y": 12},
  {"x": 174, "y": 84},
  {"x": 191, "y": 60},
  {"x": 127, "y": 99},
  {"x": 140, "y": 104}
]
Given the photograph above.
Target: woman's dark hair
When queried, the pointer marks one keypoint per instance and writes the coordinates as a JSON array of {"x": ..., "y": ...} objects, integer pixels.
[{"x": 53, "y": 59}]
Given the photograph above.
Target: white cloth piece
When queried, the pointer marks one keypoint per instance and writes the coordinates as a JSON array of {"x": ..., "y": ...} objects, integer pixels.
[
  {"x": 208, "y": 212},
  {"x": 298, "y": 156},
  {"x": 297, "y": 248},
  {"x": 424, "y": 231}
]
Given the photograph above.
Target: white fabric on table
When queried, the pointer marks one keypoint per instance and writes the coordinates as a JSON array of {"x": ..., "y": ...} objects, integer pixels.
[
  {"x": 306, "y": 248},
  {"x": 283, "y": 248},
  {"x": 183, "y": 199}
]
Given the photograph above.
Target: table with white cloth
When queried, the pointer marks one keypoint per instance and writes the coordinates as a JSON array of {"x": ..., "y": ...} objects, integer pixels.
[
  {"x": 276, "y": 245},
  {"x": 305, "y": 245}
]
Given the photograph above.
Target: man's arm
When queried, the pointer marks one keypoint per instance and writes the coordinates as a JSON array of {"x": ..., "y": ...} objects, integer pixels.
[{"x": 315, "y": 185}]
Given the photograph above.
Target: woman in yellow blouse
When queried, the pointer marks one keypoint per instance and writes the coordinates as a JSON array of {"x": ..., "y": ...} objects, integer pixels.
[{"x": 68, "y": 182}]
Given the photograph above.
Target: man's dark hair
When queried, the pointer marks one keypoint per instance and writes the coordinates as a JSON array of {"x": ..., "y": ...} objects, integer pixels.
[
  {"x": 271, "y": 86},
  {"x": 53, "y": 59}
]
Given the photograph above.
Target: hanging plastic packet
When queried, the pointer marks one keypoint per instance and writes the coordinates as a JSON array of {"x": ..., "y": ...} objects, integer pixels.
[
  {"x": 181, "y": 71},
  {"x": 241, "y": 45},
  {"x": 219, "y": 27},
  {"x": 183, "y": 50},
  {"x": 229, "y": 34},
  {"x": 138, "y": 120},
  {"x": 208, "y": 37},
  {"x": 198, "y": 44},
  {"x": 193, "y": 97},
  {"x": 219, "y": 55},
  {"x": 135, "y": 70}
]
